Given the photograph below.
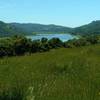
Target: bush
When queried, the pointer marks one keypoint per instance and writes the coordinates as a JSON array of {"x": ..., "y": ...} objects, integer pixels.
[
  {"x": 92, "y": 39},
  {"x": 55, "y": 43},
  {"x": 19, "y": 45}
]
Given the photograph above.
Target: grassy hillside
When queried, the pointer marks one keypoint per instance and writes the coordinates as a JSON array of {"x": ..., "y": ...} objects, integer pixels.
[
  {"x": 31, "y": 27},
  {"x": 9, "y": 29},
  {"x": 62, "y": 74},
  {"x": 91, "y": 28}
]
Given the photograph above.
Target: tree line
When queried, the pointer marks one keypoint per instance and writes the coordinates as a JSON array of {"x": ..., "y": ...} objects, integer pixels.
[{"x": 20, "y": 45}]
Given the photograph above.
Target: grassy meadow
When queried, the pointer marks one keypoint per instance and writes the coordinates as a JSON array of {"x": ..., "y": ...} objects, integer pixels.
[{"x": 60, "y": 74}]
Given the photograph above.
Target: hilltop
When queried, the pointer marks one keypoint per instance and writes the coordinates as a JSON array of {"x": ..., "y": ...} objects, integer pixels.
[
  {"x": 9, "y": 29},
  {"x": 31, "y": 27},
  {"x": 91, "y": 28}
]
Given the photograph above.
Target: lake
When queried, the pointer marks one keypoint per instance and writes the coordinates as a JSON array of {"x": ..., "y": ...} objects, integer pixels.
[{"x": 63, "y": 37}]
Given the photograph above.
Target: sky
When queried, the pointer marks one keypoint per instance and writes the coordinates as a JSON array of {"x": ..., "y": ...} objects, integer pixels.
[{"x": 71, "y": 13}]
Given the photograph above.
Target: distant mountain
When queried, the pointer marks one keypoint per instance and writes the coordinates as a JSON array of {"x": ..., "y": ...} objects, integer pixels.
[
  {"x": 5, "y": 29},
  {"x": 8, "y": 29},
  {"x": 91, "y": 28},
  {"x": 29, "y": 27}
]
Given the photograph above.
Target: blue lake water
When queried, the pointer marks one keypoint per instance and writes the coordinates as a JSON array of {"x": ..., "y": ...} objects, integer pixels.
[{"x": 63, "y": 37}]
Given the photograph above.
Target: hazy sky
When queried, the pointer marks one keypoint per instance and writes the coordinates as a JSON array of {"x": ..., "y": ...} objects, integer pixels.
[{"x": 70, "y": 13}]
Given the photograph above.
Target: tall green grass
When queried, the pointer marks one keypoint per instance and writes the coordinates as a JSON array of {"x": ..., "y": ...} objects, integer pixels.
[{"x": 62, "y": 74}]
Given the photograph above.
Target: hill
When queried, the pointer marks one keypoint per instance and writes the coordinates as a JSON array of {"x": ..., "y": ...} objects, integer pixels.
[
  {"x": 5, "y": 29},
  {"x": 8, "y": 29},
  {"x": 29, "y": 27},
  {"x": 91, "y": 28},
  {"x": 62, "y": 74}
]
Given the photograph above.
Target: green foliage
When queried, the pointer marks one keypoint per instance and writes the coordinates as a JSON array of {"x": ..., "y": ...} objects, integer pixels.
[
  {"x": 35, "y": 46},
  {"x": 83, "y": 41},
  {"x": 55, "y": 43},
  {"x": 44, "y": 40},
  {"x": 93, "y": 39},
  {"x": 19, "y": 45}
]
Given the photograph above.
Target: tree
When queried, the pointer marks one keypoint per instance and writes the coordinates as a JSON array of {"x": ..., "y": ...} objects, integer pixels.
[
  {"x": 55, "y": 43},
  {"x": 44, "y": 40},
  {"x": 20, "y": 45}
]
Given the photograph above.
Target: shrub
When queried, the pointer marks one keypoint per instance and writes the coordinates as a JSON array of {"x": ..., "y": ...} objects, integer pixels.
[
  {"x": 19, "y": 45},
  {"x": 55, "y": 43}
]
